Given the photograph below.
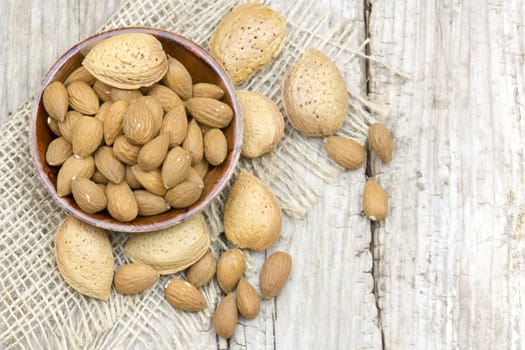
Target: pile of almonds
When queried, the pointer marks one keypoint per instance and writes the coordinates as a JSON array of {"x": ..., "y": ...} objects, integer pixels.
[{"x": 138, "y": 140}]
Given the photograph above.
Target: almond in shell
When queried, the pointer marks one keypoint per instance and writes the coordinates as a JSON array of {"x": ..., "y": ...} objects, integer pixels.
[
  {"x": 88, "y": 133},
  {"x": 183, "y": 296},
  {"x": 247, "y": 38},
  {"x": 58, "y": 151},
  {"x": 210, "y": 112},
  {"x": 56, "y": 100},
  {"x": 314, "y": 95},
  {"x": 121, "y": 202},
  {"x": 248, "y": 302},
  {"x": 127, "y": 61},
  {"x": 274, "y": 274},
  {"x": 178, "y": 79},
  {"x": 230, "y": 268},
  {"x": 215, "y": 146},
  {"x": 184, "y": 195},
  {"x": 133, "y": 279},
  {"x": 345, "y": 152},
  {"x": 150, "y": 204},
  {"x": 202, "y": 272},
  {"x": 173, "y": 249},
  {"x": 225, "y": 318},
  {"x": 88, "y": 196},
  {"x": 109, "y": 165},
  {"x": 82, "y": 98},
  {"x": 153, "y": 153},
  {"x": 375, "y": 201},
  {"x": 252, "y": 214},
  {"x": 73, "y": 167},
  {"x": 84, "y": 258}
]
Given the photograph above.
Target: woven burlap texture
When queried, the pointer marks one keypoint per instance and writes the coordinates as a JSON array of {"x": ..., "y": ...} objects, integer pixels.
[{"x": 39, "y": 310}]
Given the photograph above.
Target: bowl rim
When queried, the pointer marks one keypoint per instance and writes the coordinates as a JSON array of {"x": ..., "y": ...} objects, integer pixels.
[{"x": 196, "y": 50}]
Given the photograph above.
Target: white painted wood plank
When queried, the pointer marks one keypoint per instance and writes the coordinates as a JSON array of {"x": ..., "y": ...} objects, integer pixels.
[{"x": 449, "y": 258}]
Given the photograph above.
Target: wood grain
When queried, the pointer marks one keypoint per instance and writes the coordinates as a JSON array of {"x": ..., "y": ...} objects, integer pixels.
[{"x": 449, "y": 259}]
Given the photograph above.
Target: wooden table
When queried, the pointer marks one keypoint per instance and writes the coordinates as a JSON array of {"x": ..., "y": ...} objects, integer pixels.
[{"x": 446, "y": 269}]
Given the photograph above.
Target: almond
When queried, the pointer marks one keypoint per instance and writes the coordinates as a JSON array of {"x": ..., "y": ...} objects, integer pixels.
[
  {"x": 375, "y": 201},
  {"x": 225, "y": 318},
  {"x": 215, "y": 146},
  {"x": 165, "y": 96},
  {"x": 208, "y": 90},
  {"x": 127, "y": 61},
  {"x": 109, "y": 165},
  {"x": 247, "y": 38},
  {"x": 150, "y": 204},
  {"x": 314, "y": 95},
  {"x": 138, "y": 125},
  {"x": 82, "y": 98},
  {"x": 173, "y": 249},
  {"x": 58, "y": 151},
  {"x": 202, "y": 272},
  {"x": 82, "y": 74},
  {"x": 194, "y": 176},
  {"x": 84, "y": 258},
  {"x": 73, "y": 167},
  {"x": 153, "y": 153},
  {"x": 99, "y": 178},
  {"x": 131, "y": 180},
  {"x": 88, "y": 196},
  {"x": 102, "y": 90},
  {"x": 193, "y": 142},
  {"x": 156, "y": 110},
  {"x": 183, "y": 296},
  {"x": 150, "y": 180},
  {"x": 175, "y": 125},
  {"x": 133, "y": 279},
  {"x": 53, "y": 126},
  {"x": 125, "y": 95},
  {"x": 87, "y": 136},
  {"x": 56, "y": 100},
  {"x": 201, "y": 168},
  {"x": 274, "y": 274},
  {"x": 252, "y": 214},
  {"x": 345, "y": 152},
  {"x": 122, "y": 205},
  {"x": 263, "y": 124},
  {"x": 113, "y": 121},
  {"x": 380, "y": 140},
  {"x": 125, "y": 151},
  {"x": 248, "y": 302},
  {"x": 178, "y": 79},
  {"x": 210, "y": 112},
  {"x": 67, "y": 125},
  {"x": 184, "y": 195},
  {"x": 176, "y": 167},
  {"x": 230, "y": 268},
  {"x": 103, "y": 111}
]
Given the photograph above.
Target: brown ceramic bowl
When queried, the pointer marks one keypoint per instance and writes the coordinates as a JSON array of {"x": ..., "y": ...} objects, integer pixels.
[{"x": 203, "y": 68}]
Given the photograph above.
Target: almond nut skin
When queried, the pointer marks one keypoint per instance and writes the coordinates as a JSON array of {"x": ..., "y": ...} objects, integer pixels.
[
  {"x": 225, "y": 318},
  {"x": 380, "y": 141},
  {"x": 109, "y": 165},
  {"x": 178, "y": 79},
  {"x": 153, "y": 153},
  {"x": 113, "y": 121},
  {"x": 314, "y": 95},
  {"x": 176, "y": 167},
  {"x": 82, "y": 98},
  {"x": 183, "y": 296},
  {"x": 133, "y": 279},
  {"x": 127, "y": 61},
  {"x": 125, "y": 151},
  {"x": 88, "y": 133},
  {"x": 208, "y": 90},
  {"x": 247, "y": 38},
  {"x": 184, "y": 195},
  {"x": 88, "y": 196},
  {"x": 345, "y": 152},
  {"x": 56, "y": 100},
  {"x": 138, "y": 124},
  {"x": 210, "y": 112},
  {"x": 84, "y": 258},
  {"x": 252, "y": 214},
  {"x": 375, "y": 201},
  {"x": 202, "y": 272},
  {"x": 193, "y": 142},
  {"x": 248, "y": 302},
  {"x": 165, "y": 96},
  {"x": 175, "y": 125},
  {"x": 150, "y": 204},
  {"x": 230, "y": 268},
  {"x": 150, "y": 180},
  {"x": 274, "y": 274},
  {"x": 58, "y": 151},
  {"x": 215, "y": 146},
  {"x": 81, "y": 73},
  {"x": 67, "y": 125},
  {"x": 122, "y": 205},
  {"x": 73, "y": 167}
]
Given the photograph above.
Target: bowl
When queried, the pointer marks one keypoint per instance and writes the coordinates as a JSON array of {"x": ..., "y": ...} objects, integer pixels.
[{"x": 203, "y": 68}]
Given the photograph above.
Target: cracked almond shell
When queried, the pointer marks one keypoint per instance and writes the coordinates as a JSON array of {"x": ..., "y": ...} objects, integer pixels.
[
  {"x": 252, "y": 214},
  {"x": 127, "y": 61},
  {"x": 247, "y": 38},
  {"x": 314, "y": 95},
  {"x": 84, "y": 258},
  {"x": 173, "y": 249}
]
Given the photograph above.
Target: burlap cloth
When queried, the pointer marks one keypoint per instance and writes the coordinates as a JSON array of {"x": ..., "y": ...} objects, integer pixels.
[{"x": 39, "y": 310}]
